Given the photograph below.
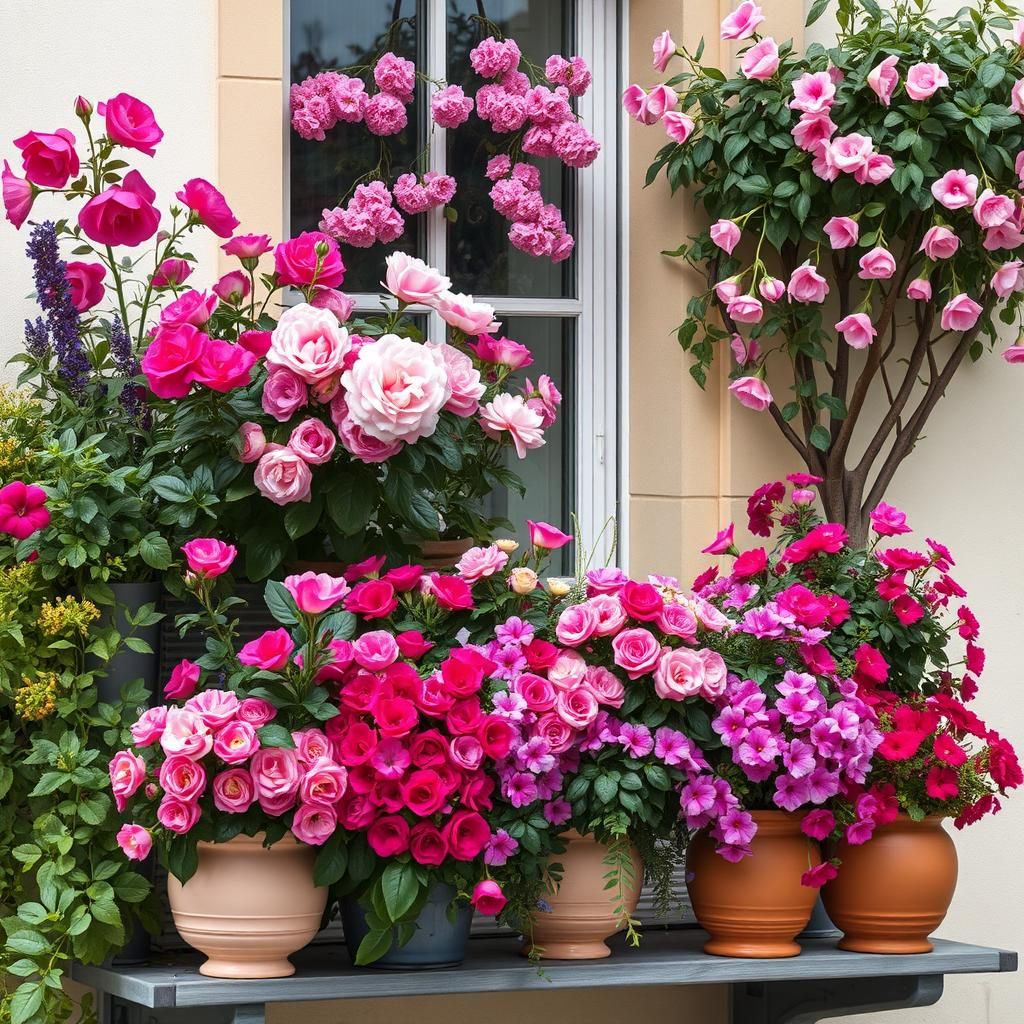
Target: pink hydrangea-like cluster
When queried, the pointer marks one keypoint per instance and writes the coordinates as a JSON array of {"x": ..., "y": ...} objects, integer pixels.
[
  {"x": 493, "y": 57},
  {"x": 320, "y": 102},
  {"x": 368, "y": 218},
  {"x": 537, "y": 227},
  {"x": 571, "y": 72},
  {"x": 450, "y": 107},
  {"x": 414, "y": 195}
]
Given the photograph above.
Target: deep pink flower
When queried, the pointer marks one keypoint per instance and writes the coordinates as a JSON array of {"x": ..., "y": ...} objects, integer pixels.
[
  {"x": 122, "y": 214},
  {"x": 22, "y": 510},
  {"x": 208, "y": 556},
  {"x": 131, "y": 123},
  {"x": 49, "y": 160}
]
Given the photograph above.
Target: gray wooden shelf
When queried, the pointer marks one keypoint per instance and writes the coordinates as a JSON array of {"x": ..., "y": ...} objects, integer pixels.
[{"x": 823, "y": 982}]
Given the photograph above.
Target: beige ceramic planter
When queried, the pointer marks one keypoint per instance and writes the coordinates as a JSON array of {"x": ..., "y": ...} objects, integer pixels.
[
  {"x": 582, "y": 910},
  {"x": 248, "y": 908}
]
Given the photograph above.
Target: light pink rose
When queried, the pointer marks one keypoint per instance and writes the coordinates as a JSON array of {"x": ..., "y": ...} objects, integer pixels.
[
  {"x": 181, "y": 777},
  {"x": 283, "y": 477},
  {"x": 636, "y": 651},
  {"x": 991, "y": 210},
  {"x": 511, "y": 414},
  {"x": 252, "y": 441},
  {"x": 149, "y": 726},
  {"x": 568, "y": 671},
  {"x": 715, "y": 674},
  {"x": 186, "y": 733},
  {"x": 746, "y": 351},
  {"x": 761, "y": 61},
  {"x": 276, "y": 776},
  {"x": 664, "y": 50},
  {"x": 127, "y": 774},
  {"x": 678, "y": 126},
  {"x": 233, "y": 791},
  {"x": 745, "y": 309},
  {"x": 857, "y": 330},
  {"x": 1014, "y": 354},
  {"x": 850, "y": 153},
  {"x": 283, "y": 393},
  {"x": 412, "y": 280},
  {"x": 633, "y": 101},
  {"x": 314, "y": 824},
  {"x": 679, "y": 674},
  {"x": 924, "y": 80},
  {"x": 479, "y": 563},
  {"x": 813, "y": 92},
  {"x": 877, "y": 169},
  {"x": 1017, "y": 97},
  {"x": 313, "y": 442},
  {"x": 315, "y": 593},
  {"x": 812, "y": 131},
  {"x": 743, "y": 22},
  {"x": 176, "y": 815},
  {"x": 771, "y": 289},
  {"x": 556, "y": 733},
  {"x": 960, "y": 313},
  {"x": 610, "y": 615},
  {"x": 956, "y": 189},
  {"x": 605, "y": 686},
  {"x": 311, "y": 745},
  {"x": 1006, "y": 236},
  {"x": 883, "y": 79},
  {"x": 338, "y": 303},
  {"x": 236, "y": 742},
  {"x": 356, "y": 441},
  {"x": 807, "y": 285},
  {"x": 658, "y": 102},
  {"x": 842, "y": 232},
  {"x": 728, "y": 289},
  {"x": 464, "y": 380},
  {"x": 375, "y": 650},
  {"x": 396, "y": 389},
  {"x": 919, "y": 290},
  {"x": 215, "y": 707},
  {"x": 576, "y": 624},
  {"x": 577, "y": 708},
  {"x": 465, "y": 314},
  {"x": 939, "y": 243},
  {"x": 135, "y": 842},
  {"x": 256, "y": 711},
  {"x": 726, "y": 235},
  {"x": 323, "y": 783},
  {"x": 1017, "y": 32},
  {"x": 678, "y": 620},
  {"x": 1009, "y": 278},
  {"x": 877, "y": 265},
  {"x": 310, "y": 342},
  {"x": 752, "y": 392}
]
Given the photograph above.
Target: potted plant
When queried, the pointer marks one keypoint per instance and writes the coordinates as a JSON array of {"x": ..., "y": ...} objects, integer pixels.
[{"x": 862, "y": 223}]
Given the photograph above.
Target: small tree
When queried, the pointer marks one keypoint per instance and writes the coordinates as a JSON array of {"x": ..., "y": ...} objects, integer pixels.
[{"x": 866, "y": 196}]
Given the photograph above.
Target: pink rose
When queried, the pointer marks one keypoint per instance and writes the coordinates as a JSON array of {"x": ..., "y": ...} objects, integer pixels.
[
  {"x": 857, "y": 330},
  {"x": 314, "y": 824},
  {"x": 511, "y": 414},
  {"x": 283, "y": 477},
  {"x": 135, "y": 842},
  {"x": 256, "y": 711},
  {"x": 557, "y": 734},
  {"x": 215, "y": 707},
  {"x": 232, "y": 288},
  {"x": 464, "y": 314},
  {"x": 771, "y": 289},
  {"x": 544, "y": 535},
  {"x": 883, "y": 79},
  {"x": 313, "y": 442},
  {"x": 252, "y": 442},
  {"x": 312, "y": 745},
  {"x": 636, "y": 651},
  {"x": 209, "y": 206},
  {"x": 283, "y": 393},
  {"x": 807, "y": 285},
  {"x": 577, "y": 708},
  {"x": 743, "y": 22},
  {"x": 412, "y": 280},
  {"x": 466, "y": 753},
  {"x": 568, "y": 670},
  {"x": 450, "y": 107},
  {"x": 186, "y": 733},
  {"x": 576, "y": 624},
  {"x": 678, "y": 126},
  {"x": 678, "y": 620},
  {"x": 812, "y": 131},
  {"x": 315, "y": 593},
  {"x": 503, "y": 351},
  {"x": 223, "y": 367},
  {"x": 149, "y": 727},
  {"x": 171, "y": 360},
  {"x": 388, "y": 836},
  {"x": 488, "y": 898},
  {"x": 127, "y": 774},
  {"x": 991, "y": 210},
  {"x": 233, "y": 791},
  {"x": 605, "y": 686},
  {"x": 679, "y": 674},
  {"x": 310, "y": 258},
  {"x": 877, "y": 169},
  {"x": 375, "y": 650},
  {"x": 181, "y": 777},
  {"x": 842, "y": 232},
  {"x": 726, "y": 235},
  {"x": 122, "y": 214},
  {"x": 18, "y": 196},
  {"x": 310, "y": 343},
  {"x": 131, "y": 123},
  {"x": 664, "y": 50},
  {"x": 171, "y": 273},
  {"x": 752, "y": 392},
  {"x": 191, "y": 307},
  {"x": 924, "y": 80},
  {"x": 183, "y": 680},
  {"x": 324, "y": 782},
  {"x": 466, "y": 833},
  {"x": 960, "y": 313},
  {"x": 609, "y": 614},
  {"x": 939, "y": 243},
  {"x": 919, "y": 290},
  {"x": 1008, "y": 278},
  {"x": 746, "y": 351},
  {"x": 877, "y": 265},
  {"x": 658, "y": 102},
  {"x": 356, "y": 441},
  {"x": 176, "y": 815},
  {"x": 396, "y": 389},
  {"x": 338, "y": 303},
  {"x": 537, "y": 691},
  {"x": 849, "y": 154},
  {"x": 479, "y": 563},
  {"x": 208, "y": 556},
  {"x": 1014, "y": 354},
  {"x": 715, "y": 674},
  {"x": 464, "y": 380},
  {"x": 269, "y": 652},
  {"x": 247, "y": 247},
  {"x": 276, "y": 777},
  {"x": 236, "y": 742},
  {"x": 956, "y": 189},
  {"x": 761, "y": 61},
  {"x": 745, "y": 309},
  {"x": 813, "y": 93},
  {"x": 49, "y": 160},
  {"x": 1017, "y": 97}
]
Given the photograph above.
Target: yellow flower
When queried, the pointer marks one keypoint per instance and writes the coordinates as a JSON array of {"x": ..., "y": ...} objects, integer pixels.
[
  {"x": 36, "y": 699},
  {"x": 67, "y": 615}
]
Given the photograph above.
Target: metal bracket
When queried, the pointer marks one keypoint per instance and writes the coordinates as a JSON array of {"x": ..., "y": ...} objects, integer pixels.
[
  {"x": 807, "y": 1002},
  {"x": 116, "y": 1011}
]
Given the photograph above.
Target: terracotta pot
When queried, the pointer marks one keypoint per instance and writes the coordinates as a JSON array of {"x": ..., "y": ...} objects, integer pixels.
[
  {"x": 756, "y": 907},
  {"x": 583, "y": 910},
  {"x": 893, "y": 891},
  {"x": 300, "y": 566},
  {"x": 248, "y": 908},
  {"x": 443, "y": 554}
]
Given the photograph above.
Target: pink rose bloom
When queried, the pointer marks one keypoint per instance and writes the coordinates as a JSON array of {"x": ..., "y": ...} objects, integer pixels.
[
  {"x": 956, "y": 189},
  {"x": 883, "y": 79},
  {"x": 252, "y": 442},
  {"x": 131, "y": 123},
  {"x": 568, "y": 671},
  {"x": 338, "y": 303},
  {"x": 149, "y": 727},
  {"x": 183, "y": 680},
  {"x": 215, "y": 707},
  {"x": 678, "y": 126},
  {"x": 857, "y": 330},
  {"x": 396, "y": 389},
  {"x": 544, "y": 535},
  {"x": 49, "y": 160},
  {"x": 576, "y": 624},
  {"x": 677, "y": 620},
  {"x": 939, "y": 243},
  {"x": 511, "y": 414},
  {"x": 664, "y": 49},
  {"x": 269, "y": 652},
  {"x": 299, "y": 261},
  {"x": 919, "y": 290},
  {"x": 314, "y": 824},
  {"x": 191, "y": 307},
  {"x": 658, "y": 102},
  {"x": 679, "y": 674},
  {"x": 356, "y": 441},
  {"x": 850, "y": 153},
  {"x": 487, "y": 897},
  {"x": 223, "y": 367},
  {"x": 283, "y": 477},
  {"x": 450, "y": 107},
  {"x": 127, "y": 774},
  {"x": 247, "y": 247},
  {"x": 385, "y": 115},
  {"x": 842, "y": 232},
  {"x": 236, "y": 742},
  {"x": 877, "y": 169},
  {"x": 466, "y": 315},
  {"x": 375, "y": 650},
  {"x": 122, "y": 214},
  {"x": 395, "y": 75},
  {"x": 633, "y": 101},
  {"x": 745, "y": 351},
  {"x": 752, "y": 392},
  {"x": 313, "y": 442},
  {"x": 86, "y": 283},
  {"x": 176, "y": 815},
  {"x": 480, "y": 563},
  {"x": 771, "y": 289},
  {"x": 1014, "y": 354},
  {"x": 232, "y": 288},
  {"x": 813, "y": 130},
  {"x": 1009, "y": 278},
  {"x": 761, "y": 61},
  {"x": 171, "y": 360},
  {"x": 503, "y": 351},
  {"x": 1017, "y": 33},
  {"x": 745, "y": 309},
  {"x": 725, "y": 234},
  {"x": 464, "y": 380},
  {"x": 877, "y": 265},
  {"x": 315, "y": 593},
  {"x": 186, "y": 733},
  {"x": 888, "y": 521},
  {"x": 412, "y": 280},
  {"x": 807, "y": 285},
  {"x": 324, "y": 782},
  {"x": 135, "y": 842},
  {"x": 1005, "y": 236},
  {"x": 636, "y": 651},
  {"x": 18, "y": 196},
  {"x": 813, "y": 93},
  {"x": 1017, "y": 97},
  {"x": 743, "y": 22},
  {"x": 493, "y": 57},
  {"x": 208, "y": 556},
  {"x": 276, "y": 776},
  {"x": 960, "y": 313},
  {"x": 233, "y": 791},
  {"x": 209, "y": 206},
  {"x": 924, "y": 80},
  {"x": 991, "y": 210},
  {"x": 172, "y": 272},
  {"x": 577, "y": 708},
  {"x": 605, "y": 686},
  {"x": 182, "y": 778},
  {"x": 283, "y": 393},
  {"x": 256, "y": 711},
  {"x": 309, "y": 342},
  {"x": 609, "y": 614}
]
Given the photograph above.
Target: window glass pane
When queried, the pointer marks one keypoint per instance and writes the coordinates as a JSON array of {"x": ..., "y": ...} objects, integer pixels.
[
  {"x": 341, "y": 35},
  {"x": 481, "y": 260},
  {"x": 548, "y": 472}
]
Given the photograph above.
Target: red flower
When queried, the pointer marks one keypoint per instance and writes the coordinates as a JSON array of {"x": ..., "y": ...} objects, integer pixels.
[
  {"x": 871, "y": 668},
  {"x": 968, "y": 623},
  {"x": 372, "y": 599},
  {"x": 900, "y": 745},
  {"x": 412, "y": 644},
  {"x": 22, "y": 510},
  {"x": 948, "y": 751},
  {"x": 464, "y": 670},
  {"x": 404, "y": 577},
  {"x": 891, "y": 587},
  {"x": 1003, "y": 764},
  {"x": 751, "y": 563},
  {"x": 641, "y": 601},
  {"x": 709, "y": 575},
  {"x": 942, "y": 783},
  {"x": 975, "y": 659},
  {"x": 541, "y": 655},
  {"x": 760, "y": 506},
  {"x": 968, "y": 816}
]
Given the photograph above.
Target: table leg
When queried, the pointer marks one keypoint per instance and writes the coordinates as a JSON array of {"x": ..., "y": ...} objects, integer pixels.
[
  {"x": 252, "y": 1013},
  {"x": 807, "y": 1002}
]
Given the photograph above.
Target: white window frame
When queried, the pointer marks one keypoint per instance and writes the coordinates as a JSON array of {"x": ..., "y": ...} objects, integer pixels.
[{"x": 600, "y": 262}]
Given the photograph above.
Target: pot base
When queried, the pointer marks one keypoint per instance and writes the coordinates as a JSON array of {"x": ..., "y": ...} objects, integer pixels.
[
  {"x": 242, "y": 969},
  {"x": 885, "y": 947},
  {"x": 596, "y": 950},
  {"x": 760, "y": 951}
]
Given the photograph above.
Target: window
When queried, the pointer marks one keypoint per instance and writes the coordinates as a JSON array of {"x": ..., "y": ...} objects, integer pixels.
[{"x": 567, "y": 313}]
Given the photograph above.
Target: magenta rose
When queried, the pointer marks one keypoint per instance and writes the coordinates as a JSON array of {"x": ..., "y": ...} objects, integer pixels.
[
  {"x": 276, "y": 776},
  {"x": 544, "y": 535},
  {"x": 538, "y": 693},
  {"x": 49, "y": 160},
  {"x": 256, "y": 711},
  {"x": 247, "y": 247},
  {"x": 297, "y": 261},
  {"x": 131, "y": 123},
  {"x": 315, "y": 593},
  {"x": 313, "y": 442},
  {"x": 191, "y": 307},
  {"x": 427, "y": 845},
  {"x": 372, "y": 599},
  {"x": 122, "y": 214},
  {"x": 283, "y": 393},
  {"x": 207, "y": 203},
  {"x": 135, "y": 842},
  {"x": 86, "y": 283},
  {"x": 171, "y": 272},
  {"x": 488, "y": 898},
  {"x": 257, "y": 342},
  {"x": 282, "y": 477},
  {"x": 466, "y": 834},
  {"x": 208, "y": 556},
  {"x": 641, "y": 601},
  {"x": 223, "y": 367},
  {"x": 176, "y": 815},
  {"x": 423, "y": 792},
  {"x": 183, "y": 680},
  {"x": 236, "y": 742},
  {"x": 269, "y": 652},
  {"x": 233, "y": 791},
  {"x": 170, "y": 363},
  {"x": 636, "y": 651},
  {"x": 388, "y": 836}
]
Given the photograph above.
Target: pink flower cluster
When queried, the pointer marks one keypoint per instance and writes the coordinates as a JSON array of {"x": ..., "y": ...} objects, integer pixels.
[
  {"x": 368, "y": 218},
  {"x": 416, "y": 196},
  {"x": 537, "y": 227}
]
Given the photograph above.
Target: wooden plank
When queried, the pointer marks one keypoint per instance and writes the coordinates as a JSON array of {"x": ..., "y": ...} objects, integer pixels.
[{"x": 493, "y": 965}]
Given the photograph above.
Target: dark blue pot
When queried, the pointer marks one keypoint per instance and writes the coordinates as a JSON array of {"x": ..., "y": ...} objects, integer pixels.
[{"x": 437, "y": 942}]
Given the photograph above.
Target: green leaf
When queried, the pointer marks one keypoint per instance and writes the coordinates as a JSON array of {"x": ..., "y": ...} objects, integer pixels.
[
  {"x": 182, "y": 859},
  {"x": 155, "y": 551},
  {"x": 274, "y": 735},
  {"x": 820, "y": 437},
  {"x": 331, "y": 860},
  {"x": 340, "y": 624},
  {"x": 350, "y": 503},
  {"x": 605, "y": 788},
  {"x": 374, "y": 945},
  {"x": 818, "y": 8},
  {"x": 26, "y": 1001},
  {"x": 49, "y": 782},
  {"x": 30, "y": 943},
  {"x": 280, "y": 603},
  {"x": 302, "y": 517},
  {"x": 171, "y": 488},
  {"x": 400, "y": 887}
]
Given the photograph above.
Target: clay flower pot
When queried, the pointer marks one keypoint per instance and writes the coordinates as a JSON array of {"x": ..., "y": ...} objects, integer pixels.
[
  {"x": 754, "y": 908},
  {"x": 443, "y": 554},
  {"x": 893, "y": 891},
  {"x": 583, "y": 910},
  {"x": 248, "y": 908}
]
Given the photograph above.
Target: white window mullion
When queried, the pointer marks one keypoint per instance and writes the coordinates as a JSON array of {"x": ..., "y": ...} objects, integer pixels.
[{"x": 436, "y": 225}]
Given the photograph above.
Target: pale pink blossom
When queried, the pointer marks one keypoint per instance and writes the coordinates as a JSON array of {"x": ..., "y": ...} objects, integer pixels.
[
  {"x": 857, "y": 330},
  {"x": 883, "y": 79},
  {"x": 135, "y": 842},
  {"x": 956, "y": 189},
  {"x": 813, "y": 92},
  {"x": 960, "y": 313},
  {"x": 876, "y": 169},
  {"x": 745, "y": 309},
  {"x": 510, "y": 413},
  {"x": 412, "y": 280},
  {"x": 761, "y": 61},
  {"x": 1009, "y": 278},
  {"x": 752, "y": 392},
  {"x": 991, "y": 210},
  {"x": 678, "y": 126},
  {"x": 939, "y": 243},
  {"x": 850, "y": 153},
  {"x": 924, "y": 80},
  {"x": 465, "y": 314},
  {"x": 771, "y": 289},
  {"x": 664, "y": 49},
  {"x": 464, "y": 381},
  {"x": 842, "y": 232},
  {"x": 726, "y": 235},
  {"x": 283, "y": 477},
  {"x": 919, "y": 290},
  {"x": 743, "y": 22},
  {"x": 310, "y": 343},
  {"x": 812, "y": 130},
  {"x": 479, "y": 563},
  {"x": 313, "y": 442},
  {"x": 745, "y": 351},
  {"x": 807, "y": 285},
  {"x": 877, "y": 265}
]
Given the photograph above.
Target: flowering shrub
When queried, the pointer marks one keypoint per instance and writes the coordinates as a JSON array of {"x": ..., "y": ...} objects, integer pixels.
[{"x": 860, "y": 198}]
